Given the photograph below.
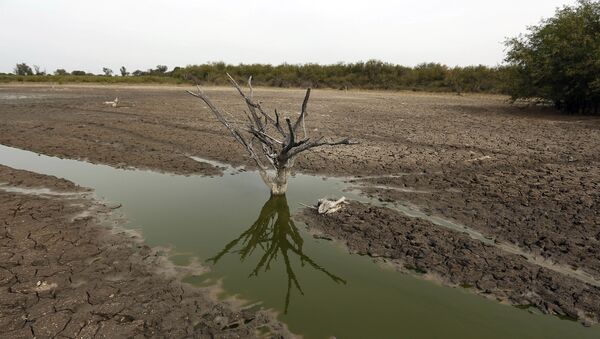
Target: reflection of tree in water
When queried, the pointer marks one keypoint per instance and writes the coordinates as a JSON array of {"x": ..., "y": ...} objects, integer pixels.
[{"x": 274, "y": 233}]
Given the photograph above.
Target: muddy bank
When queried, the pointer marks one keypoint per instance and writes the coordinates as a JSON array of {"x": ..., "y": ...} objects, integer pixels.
[
  {"x": 64, "y": 275},
  {"x": 158, "y": 127},
  {"x": 526, "y": 177},
  {"x": 456, "y": 259},
  {"x": 551, "y": 210}
]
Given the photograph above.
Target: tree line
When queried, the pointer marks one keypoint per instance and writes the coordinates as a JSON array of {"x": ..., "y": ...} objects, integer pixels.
[{"x": 372, "y": 74}]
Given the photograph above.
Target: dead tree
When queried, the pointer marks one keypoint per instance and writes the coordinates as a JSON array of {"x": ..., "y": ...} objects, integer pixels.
[{"x": 278, "y": 141}]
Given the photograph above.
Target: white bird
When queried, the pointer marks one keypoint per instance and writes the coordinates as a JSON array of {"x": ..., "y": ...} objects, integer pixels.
[{"x": 112, "y": 103}]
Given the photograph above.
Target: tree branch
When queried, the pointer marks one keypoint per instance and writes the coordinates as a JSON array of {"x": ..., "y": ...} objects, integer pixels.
[
  {"x": 232, "y": 129},
  {"x": 290, "y": 141},
  {"x": 279, "y": 153},
  {"x": 319, "y": 143},
  {"x": 303, "y": 113},
  {"x": 252, "y": 106}
]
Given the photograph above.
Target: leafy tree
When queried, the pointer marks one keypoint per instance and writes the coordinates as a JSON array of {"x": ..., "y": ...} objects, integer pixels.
[
  {"x": 23, "y": 69},
  {"x": 60, "y": 71},
  {"x": 107, "y": 71},
  {"x": 78, "y": 73},
  {"x": 161, "y": 69},
  {"x": 559, "y": 60},
  {"x": 123, "y": 71},
  {"x": 430, "y": 74},
  {"x": 455, "y": 79}
]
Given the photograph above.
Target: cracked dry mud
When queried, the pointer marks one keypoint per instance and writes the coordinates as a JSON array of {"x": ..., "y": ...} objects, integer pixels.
[
  {"x": 551, "y": 210},
  {"x": 528, "y": 177},
  {"x": 64, "y": 276},
  {"x": 456, "y": 259}
]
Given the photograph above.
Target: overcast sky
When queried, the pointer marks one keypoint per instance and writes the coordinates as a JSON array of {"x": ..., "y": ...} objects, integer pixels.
[{"x": 88, "y": 35}]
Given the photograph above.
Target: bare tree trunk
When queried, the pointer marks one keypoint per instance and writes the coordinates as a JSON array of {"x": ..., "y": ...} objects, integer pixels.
[
  {"x": 280, "y": 182},
  {"x": 277, "y": 139}
]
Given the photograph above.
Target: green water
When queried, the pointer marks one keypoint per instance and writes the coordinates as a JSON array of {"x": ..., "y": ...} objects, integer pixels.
[{"x": 259, "y": 253}]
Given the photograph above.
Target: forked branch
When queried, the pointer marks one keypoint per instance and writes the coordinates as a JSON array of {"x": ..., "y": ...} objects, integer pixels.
[{"x": 279, "y": 152}]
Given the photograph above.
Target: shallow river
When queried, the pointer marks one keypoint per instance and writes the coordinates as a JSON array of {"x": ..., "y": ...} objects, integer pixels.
[{"x": 258, "y": 253}]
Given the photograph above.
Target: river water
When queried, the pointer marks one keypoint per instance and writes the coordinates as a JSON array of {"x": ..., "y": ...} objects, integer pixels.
[{"x": 258, "y": 253}]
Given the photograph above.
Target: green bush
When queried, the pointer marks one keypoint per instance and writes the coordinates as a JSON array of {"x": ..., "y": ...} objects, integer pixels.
[
  {"x": 559, "y": 60},
  {"x": 373, "y": 74}
]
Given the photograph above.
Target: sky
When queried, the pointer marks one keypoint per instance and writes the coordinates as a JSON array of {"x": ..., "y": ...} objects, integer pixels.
[{"x": 89, "y": 35}]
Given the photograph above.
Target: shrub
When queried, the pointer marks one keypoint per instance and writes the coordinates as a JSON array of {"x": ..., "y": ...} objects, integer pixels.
[
  {"x": 372, "y": 74},
  {"x": 559, "y": 60}
]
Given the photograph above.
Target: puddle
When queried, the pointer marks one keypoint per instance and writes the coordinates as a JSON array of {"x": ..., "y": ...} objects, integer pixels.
[
  {"x": 40, "y": 191},
  {"x": 258, "y": 253},
  {"x": 13, "y": 96},
  {"x": 5, "y": 96}
]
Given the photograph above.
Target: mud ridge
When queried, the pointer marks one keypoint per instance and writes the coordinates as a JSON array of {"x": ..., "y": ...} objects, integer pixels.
[{"x": 456, "y": 259}]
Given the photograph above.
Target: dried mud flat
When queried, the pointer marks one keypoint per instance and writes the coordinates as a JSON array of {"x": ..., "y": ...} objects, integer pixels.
[
  {"x": 62, "y": 275},
  {"x": 455, "y": 259},
  {"x": 527, "y": 177}
]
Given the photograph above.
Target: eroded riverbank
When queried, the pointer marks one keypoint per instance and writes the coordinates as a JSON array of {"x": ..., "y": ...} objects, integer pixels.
[
  {"x": 456, "y": 259},
  {"x": 526, "y": 179},
  {"x": 263, "y": 256},
  {"x": 63, "y": 274}
]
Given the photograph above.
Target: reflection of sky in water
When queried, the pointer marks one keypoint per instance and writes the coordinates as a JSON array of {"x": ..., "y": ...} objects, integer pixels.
[{"x": 232, "y": 219}]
